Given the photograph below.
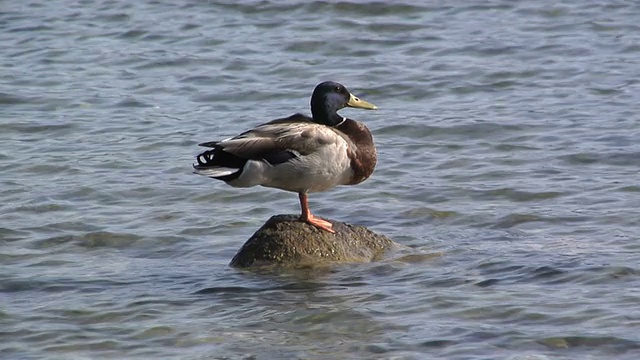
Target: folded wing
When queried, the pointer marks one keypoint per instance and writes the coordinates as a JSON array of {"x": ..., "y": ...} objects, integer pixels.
[{"x": 275, "y": 142}]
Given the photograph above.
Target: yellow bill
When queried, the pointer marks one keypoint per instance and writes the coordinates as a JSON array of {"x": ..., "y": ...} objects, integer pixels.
[{"x": 354, "y": 102}]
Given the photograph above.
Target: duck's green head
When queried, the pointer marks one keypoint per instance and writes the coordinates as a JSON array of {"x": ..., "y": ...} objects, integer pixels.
[{"x": 329, "y": 97}]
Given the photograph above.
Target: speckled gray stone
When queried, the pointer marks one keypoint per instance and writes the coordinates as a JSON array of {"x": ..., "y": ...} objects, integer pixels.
[{"x": 286, "y": 241}]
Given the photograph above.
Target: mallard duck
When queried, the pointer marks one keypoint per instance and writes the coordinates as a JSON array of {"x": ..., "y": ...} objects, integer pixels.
[{"x": 299, "y": 153}]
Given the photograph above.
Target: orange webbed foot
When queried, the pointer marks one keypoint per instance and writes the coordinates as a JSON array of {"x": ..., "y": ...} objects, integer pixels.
[{"x": 319, "y": 223}]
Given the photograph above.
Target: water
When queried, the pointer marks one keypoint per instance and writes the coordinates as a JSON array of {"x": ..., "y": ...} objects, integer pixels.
[{"x": 509, "y": 158}]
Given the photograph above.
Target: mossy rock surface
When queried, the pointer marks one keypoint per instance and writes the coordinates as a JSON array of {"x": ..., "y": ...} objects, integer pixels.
[{"x": 286, "y": 241}]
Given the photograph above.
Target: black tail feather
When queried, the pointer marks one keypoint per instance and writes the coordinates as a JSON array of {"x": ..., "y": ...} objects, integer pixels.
[{"x": 219, "y": 158}]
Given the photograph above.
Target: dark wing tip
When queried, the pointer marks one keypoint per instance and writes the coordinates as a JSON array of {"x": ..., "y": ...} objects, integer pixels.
[
  {"x": 279, "y": 157},
  {"x": 209, "y": 144}
]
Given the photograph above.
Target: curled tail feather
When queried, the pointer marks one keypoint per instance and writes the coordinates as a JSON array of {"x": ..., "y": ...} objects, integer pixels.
[{"x": 218, "y": 164}]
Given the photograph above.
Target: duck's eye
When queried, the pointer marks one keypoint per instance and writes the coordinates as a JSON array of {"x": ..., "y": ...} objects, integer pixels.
[{"x": 339, "y": 88}]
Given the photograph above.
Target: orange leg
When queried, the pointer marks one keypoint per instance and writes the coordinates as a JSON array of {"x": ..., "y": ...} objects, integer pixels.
[{"x": 309, "y": 218}]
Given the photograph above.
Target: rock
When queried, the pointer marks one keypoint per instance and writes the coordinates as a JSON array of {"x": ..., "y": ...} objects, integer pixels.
[{"x": 286, "y": 241}]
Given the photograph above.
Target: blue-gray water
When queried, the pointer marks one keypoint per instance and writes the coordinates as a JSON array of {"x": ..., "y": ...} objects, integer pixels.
[{"x": 509, "y": 158}]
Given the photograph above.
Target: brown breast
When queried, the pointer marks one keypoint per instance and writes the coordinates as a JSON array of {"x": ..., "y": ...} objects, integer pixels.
[{"x": 362, "y": 150}]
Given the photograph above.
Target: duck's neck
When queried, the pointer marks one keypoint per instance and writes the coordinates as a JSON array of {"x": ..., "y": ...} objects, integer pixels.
[
  {"x": 326, "y": 116},
  {"x": 324, "y": 112},
  {"x": 341, "y": 121}
]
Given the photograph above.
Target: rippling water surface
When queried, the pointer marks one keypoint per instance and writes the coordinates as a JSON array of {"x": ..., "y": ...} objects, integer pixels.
[{"x": 508, "y": 135}]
